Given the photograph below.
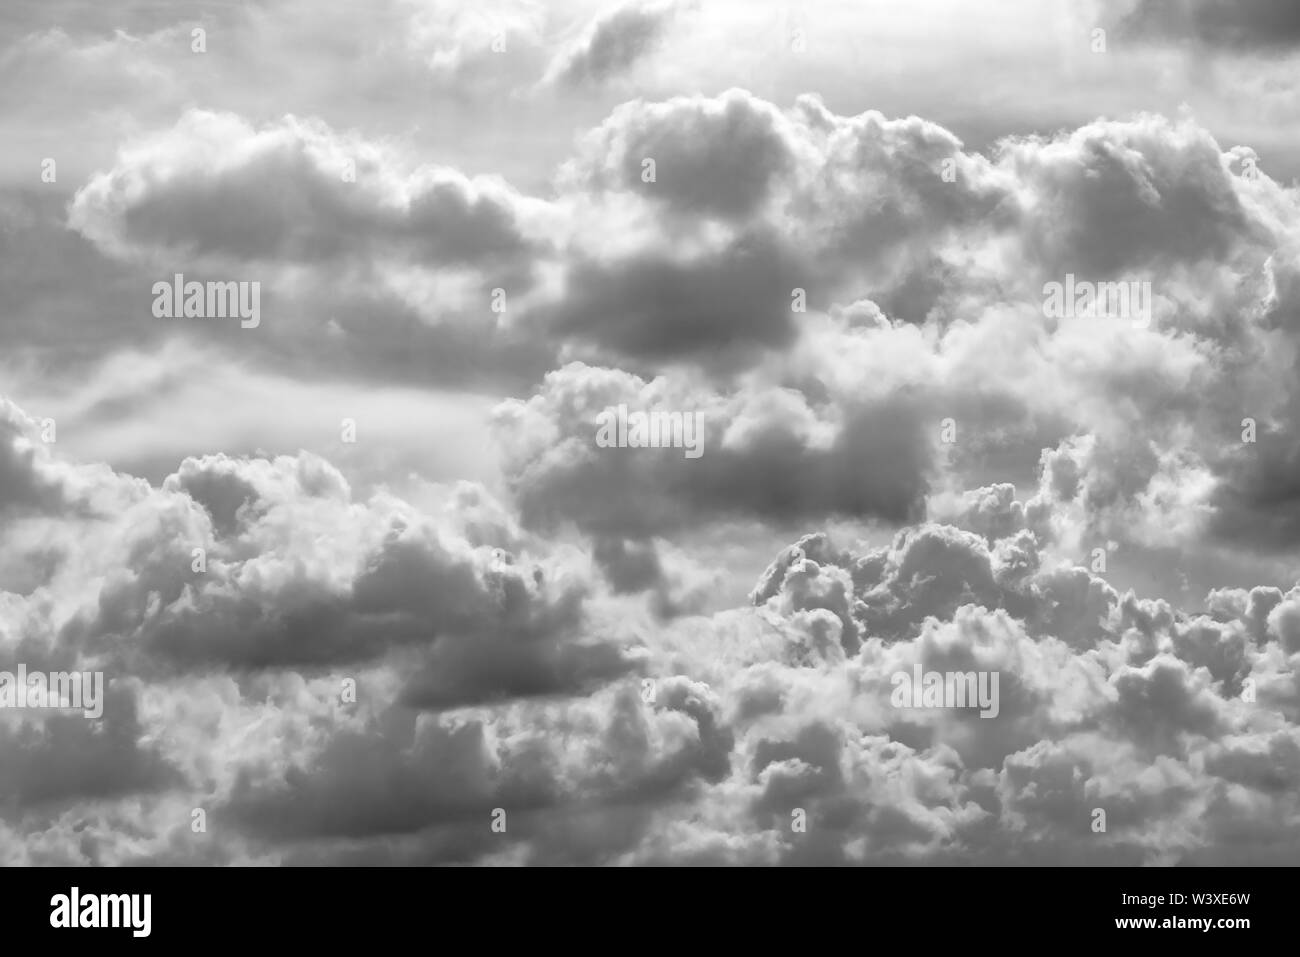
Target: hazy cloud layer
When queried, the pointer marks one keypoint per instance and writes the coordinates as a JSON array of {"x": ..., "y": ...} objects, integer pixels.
[{"x": 1247, "y": 25}]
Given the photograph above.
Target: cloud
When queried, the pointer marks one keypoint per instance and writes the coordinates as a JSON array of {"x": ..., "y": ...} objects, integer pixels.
[
  {"x": 752, "y": 223},
  {"x": 1247, "y": 26},
  {"x": 210, "y": 571},
  {"x": 482, "y": 681},
  {"x": 849, "y": 281},
  {"x": 677, "y": 584},
  {"x": 292, "y": 192},
  {"x": 768, "y": 453},
  {"x": 613, "y": 43},
  {"x": 71, "y": 759},
  {"x": 347, "y": 663}
]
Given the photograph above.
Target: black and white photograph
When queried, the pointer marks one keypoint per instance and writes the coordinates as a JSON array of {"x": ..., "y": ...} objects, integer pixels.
[{"x": 650, "y": 434}]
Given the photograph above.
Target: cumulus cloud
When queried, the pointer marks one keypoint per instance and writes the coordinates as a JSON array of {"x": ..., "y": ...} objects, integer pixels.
[
  {"x": 899, "y": 460},
  {"x": 293, "y": 192},
  {"x": 757, "y": 299},
  {"x": 480, "y": 684},
  {"x": 252, "y": 563},
  {"x": 769, "y": 453}
]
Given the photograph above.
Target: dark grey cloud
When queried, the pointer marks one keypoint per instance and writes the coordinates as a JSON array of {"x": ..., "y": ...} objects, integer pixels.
[
  {"x": 630, "y": 566},
  {"x": 1243, "y": 26},
  {"x": 75, "y": 759},
  {"x": 65, "y": 300},
  {"x": 1258, "y": 500},
  {"x": 614, "y": 42},
  {"x": 655, "y": 307},
  {"x": 407, "y": 778}
]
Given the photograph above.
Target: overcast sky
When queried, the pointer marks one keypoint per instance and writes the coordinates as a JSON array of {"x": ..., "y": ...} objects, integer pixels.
[{"x": 364, "y": 583}]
